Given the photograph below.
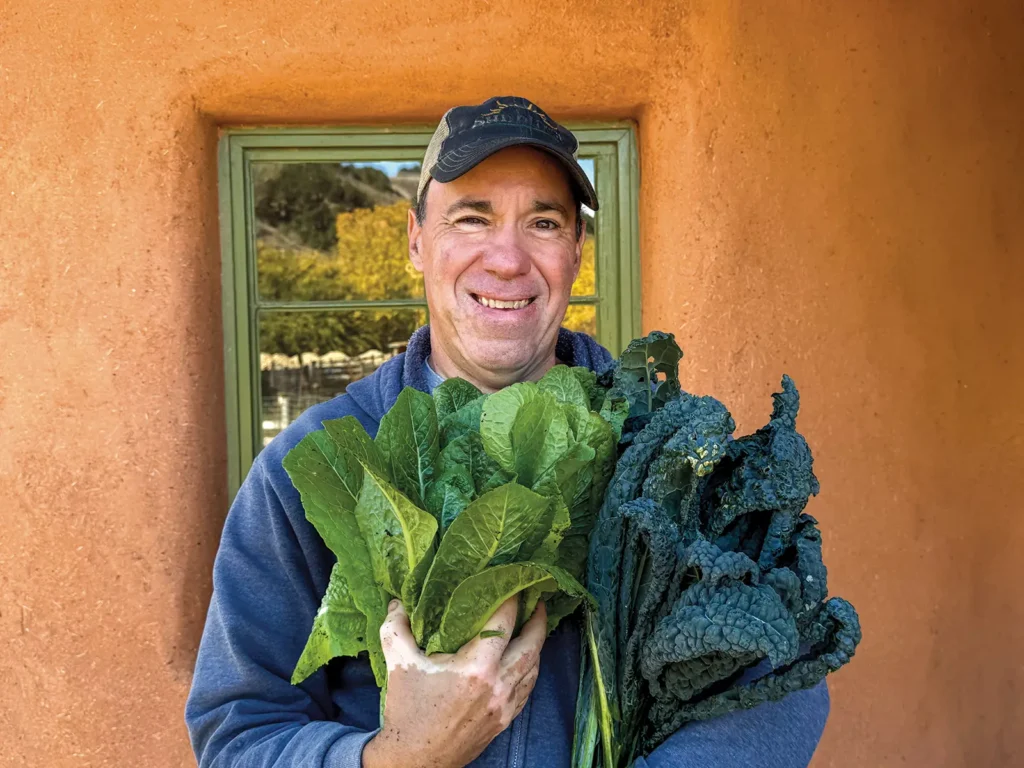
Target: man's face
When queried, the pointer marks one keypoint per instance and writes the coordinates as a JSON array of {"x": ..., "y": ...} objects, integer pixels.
[{"x": 499, "y": 253}]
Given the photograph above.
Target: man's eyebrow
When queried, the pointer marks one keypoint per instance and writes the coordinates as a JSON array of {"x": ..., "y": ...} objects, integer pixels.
[
  {"x": 542, "y": 206},
  {"x": 480, "y": 206}
]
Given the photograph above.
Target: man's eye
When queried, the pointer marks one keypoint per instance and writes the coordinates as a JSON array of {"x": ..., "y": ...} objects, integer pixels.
[
  {"x": 548, "y": 224},
  {"x": 473, "y": 221}
]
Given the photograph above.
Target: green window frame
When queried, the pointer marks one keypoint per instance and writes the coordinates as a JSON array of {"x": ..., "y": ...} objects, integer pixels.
[{"x": 612, "y": 146}]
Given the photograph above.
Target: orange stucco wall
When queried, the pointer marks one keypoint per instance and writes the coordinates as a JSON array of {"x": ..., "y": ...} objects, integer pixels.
[{"x": 831, "y": 190}]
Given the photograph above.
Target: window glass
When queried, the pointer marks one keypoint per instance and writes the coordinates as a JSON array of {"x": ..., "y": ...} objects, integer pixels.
[
  {"x": 318, "y": 288},
  {"x": 586, "y": 281},
  {"x": 334, "y": 231},
  {"x": 581, "y": 317},
  {"x": 309, "y": 357}
]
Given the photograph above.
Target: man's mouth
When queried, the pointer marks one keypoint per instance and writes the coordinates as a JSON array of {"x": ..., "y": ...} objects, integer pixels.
[{"x": 502, "y": 303}]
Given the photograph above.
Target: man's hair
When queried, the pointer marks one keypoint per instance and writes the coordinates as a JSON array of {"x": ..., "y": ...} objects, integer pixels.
[{"x": 421, "y": 208}]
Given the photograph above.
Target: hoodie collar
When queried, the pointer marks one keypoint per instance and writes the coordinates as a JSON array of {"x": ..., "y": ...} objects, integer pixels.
[{"x": 378, "y": 392}]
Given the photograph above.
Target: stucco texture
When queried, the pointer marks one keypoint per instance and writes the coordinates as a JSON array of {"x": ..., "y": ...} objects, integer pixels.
[{"x": 831, "y": 190}]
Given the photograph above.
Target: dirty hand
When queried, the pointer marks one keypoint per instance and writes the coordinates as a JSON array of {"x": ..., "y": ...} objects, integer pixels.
[{"x": 443, "y": 710}]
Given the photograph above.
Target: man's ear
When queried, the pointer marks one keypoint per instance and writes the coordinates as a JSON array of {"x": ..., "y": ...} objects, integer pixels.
[{"x": 415, "y": 232}]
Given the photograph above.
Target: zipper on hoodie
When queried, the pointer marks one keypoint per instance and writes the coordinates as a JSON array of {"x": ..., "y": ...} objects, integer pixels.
[{"x": 517, "y": 737}]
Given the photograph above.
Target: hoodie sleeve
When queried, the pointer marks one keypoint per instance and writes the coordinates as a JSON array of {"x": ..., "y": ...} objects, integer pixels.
[
  {"x": 782, "y": 734},
  {"x": 243, "y": 711}
]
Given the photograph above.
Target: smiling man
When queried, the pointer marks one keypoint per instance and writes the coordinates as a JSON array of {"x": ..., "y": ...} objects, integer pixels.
[
  {"x": 498, "y": 235},
  {"x": 499, "y": 248}
]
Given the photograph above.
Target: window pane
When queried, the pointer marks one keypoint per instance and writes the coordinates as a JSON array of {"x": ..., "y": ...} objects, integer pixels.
[
  {"x": 309, "y": 357},
  {"x": 586, "y": 282},
  {"x": 334, "y": 231},
  {"x": 582, "y": 317}
]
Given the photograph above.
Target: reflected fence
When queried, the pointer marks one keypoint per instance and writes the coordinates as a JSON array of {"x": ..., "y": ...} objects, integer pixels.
[{"x": 290, "y": 385}]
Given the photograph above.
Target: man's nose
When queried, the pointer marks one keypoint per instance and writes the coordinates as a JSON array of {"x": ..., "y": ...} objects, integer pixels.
[{"x": 506, "y": 255}]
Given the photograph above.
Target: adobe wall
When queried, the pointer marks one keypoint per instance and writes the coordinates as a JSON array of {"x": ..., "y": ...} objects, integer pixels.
[{"x": 830, "y": 191}]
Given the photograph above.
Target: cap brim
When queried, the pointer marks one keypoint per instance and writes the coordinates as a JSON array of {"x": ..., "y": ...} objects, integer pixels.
[{"x": 454, "y": 164}]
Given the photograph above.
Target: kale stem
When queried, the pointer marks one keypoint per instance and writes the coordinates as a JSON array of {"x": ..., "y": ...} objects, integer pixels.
[{"x": 602, "y": 697}]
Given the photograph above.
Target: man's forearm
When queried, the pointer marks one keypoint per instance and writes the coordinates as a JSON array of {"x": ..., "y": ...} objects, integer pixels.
[{"x": 782, "y": 734}]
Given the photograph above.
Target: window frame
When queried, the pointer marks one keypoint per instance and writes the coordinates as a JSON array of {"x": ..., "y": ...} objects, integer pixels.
[{"x": 612, "y": 145}]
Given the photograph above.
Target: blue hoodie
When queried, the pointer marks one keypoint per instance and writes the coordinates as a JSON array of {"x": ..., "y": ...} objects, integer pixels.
[{"x": 269, "y": 575}]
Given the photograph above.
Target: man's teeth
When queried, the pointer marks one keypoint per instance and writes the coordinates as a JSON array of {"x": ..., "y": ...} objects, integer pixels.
[{"x": 496, "y": 304}]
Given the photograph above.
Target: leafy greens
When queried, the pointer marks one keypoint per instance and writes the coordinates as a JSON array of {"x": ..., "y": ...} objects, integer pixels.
[
  {"x": 461, "y": 501},
  {"x": 705, "y": 586},
  {"x": 705, "y": 569}
]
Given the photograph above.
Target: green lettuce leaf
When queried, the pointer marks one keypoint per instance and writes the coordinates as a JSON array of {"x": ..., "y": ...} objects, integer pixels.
[
  {"x": 449, "y": 494},
  {"x": 468, "y": 452},
  {"x": 398, "y": 534},
  {"x": 452, "y": 394},
  {"x": 549, "y": 549},
  {"x": 539, "y": 440},
  {"x": 502, "y": 526},
  {"x": 594, "y": 475},
  {"x": 463, "y": 421},
  {"x": 615, "y": 410},
  {"x": 409, "y": 443},
  {"x": 564, "y": 383},
  {"x": 588, "y": 380},
  {"x": 339, "y": 629},
  {"x": 476, "y": 599},
  {"x": 497, "y": 418},
  {"x": 329, "y": 477},
  {"x": 350, "y": 437}
]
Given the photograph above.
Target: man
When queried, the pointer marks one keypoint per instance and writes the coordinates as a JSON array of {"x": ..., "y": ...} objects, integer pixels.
[{"x": 498, "y": 236}]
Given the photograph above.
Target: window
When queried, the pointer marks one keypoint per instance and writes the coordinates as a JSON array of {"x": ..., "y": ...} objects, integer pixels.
[{"x": 317, "y": 287}]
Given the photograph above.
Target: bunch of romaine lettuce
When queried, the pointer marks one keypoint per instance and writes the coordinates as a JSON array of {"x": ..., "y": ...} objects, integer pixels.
[
  {"x": 461, "y": 501},
  {"x": 709, "y": 581}
]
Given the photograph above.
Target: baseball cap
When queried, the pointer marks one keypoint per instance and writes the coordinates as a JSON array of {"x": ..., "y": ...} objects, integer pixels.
[{"x": 468, "y": 135}]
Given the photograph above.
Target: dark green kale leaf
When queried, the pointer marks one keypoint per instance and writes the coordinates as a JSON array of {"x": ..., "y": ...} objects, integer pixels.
[
  {"x": 767, "y": 471},
  {"x": 647, "y": 372},
  {"x": 837, "y": 633},
  {"x": 604, "y": 573},
  {"x": 803, "y": 557},
  {"x": 648, "y": 564},
  {"x": 679, "y": 638},
  {"x": 677, "y": 478},
  {"x": 726, "y": 614},
  {"x": 705, "y": 425}
]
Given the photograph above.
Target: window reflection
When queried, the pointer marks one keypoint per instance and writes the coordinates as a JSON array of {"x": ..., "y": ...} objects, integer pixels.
[
  {"x": 334, "y": 231},
  {"x": 582, "y": 317},
  {"x": 309, "y": 357}
]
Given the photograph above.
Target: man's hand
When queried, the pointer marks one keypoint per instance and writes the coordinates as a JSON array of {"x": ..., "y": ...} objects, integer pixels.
[{"x": 443, "y": 710}]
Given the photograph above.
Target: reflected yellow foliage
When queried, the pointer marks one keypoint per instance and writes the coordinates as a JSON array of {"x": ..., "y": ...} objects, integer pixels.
[
  {"x": 372, "y": 243},
  {"x": 583, "y": 317}
]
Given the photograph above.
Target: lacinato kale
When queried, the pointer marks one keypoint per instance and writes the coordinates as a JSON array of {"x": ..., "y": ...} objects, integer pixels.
[{"x": 708, "y": 577}]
